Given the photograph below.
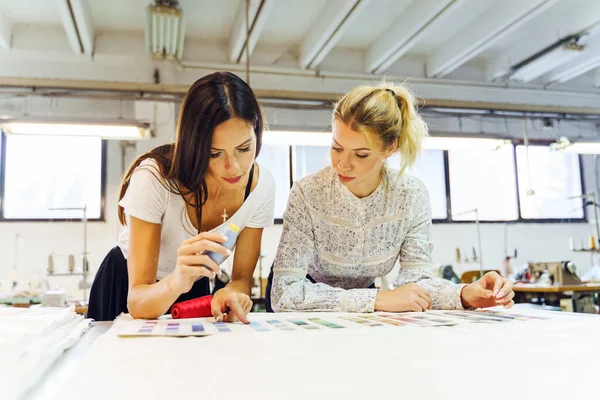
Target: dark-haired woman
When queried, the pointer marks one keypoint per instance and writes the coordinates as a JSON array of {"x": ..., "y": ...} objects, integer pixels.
[{"x": 174, "y": 202}]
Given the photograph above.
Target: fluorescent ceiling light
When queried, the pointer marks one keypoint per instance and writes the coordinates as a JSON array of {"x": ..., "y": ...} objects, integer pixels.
[
  {"x": 434, "y": 142},
  {"x": 547, "y": 60},
  {"x": 165, "y": 30},
  {"x": 580, "y": 146},
  {"x": 584, "y": 148},
  {"x": 120, "y": 129}
]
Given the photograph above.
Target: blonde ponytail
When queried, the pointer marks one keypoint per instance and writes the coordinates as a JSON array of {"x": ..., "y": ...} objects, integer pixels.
[{"x": 388, "y": 111}]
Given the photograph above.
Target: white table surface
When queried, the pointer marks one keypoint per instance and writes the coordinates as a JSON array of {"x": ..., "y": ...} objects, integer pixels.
[{"x": 555, "y": 358}]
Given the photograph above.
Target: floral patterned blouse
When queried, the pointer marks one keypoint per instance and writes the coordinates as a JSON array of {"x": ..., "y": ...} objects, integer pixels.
[{"x": 344, "y": 242}]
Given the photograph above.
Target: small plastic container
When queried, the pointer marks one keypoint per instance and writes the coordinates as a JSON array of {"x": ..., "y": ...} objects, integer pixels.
[{"x": 231, "y": 232}]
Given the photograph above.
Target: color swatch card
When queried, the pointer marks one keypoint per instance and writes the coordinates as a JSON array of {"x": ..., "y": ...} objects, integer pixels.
[
  {"x": 453, "y": 317},
  {"x": 487, "y": 316},
  {"x": 221, "y": 327},
  {"x": 469, "y": 317},
  {"x": 282, "y": 325},
  {"x": 447, "y": 317},
  {"x": 365, "y": 320},
  {"x": 378, "y": 321},
  {"x": 425, "y": 319},
  {"x": 169, "y": 327},
  {"x": 258, "y": 327},
  {"x": 303, "y": 324},
  {"x": 507, "y": 315}
]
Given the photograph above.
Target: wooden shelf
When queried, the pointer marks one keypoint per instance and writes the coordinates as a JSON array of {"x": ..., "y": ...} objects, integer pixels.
[{"x": 587, "y": 251}]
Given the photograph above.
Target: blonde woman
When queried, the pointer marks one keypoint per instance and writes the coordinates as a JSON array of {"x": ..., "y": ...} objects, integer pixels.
[{"x": 348, "y": 223}]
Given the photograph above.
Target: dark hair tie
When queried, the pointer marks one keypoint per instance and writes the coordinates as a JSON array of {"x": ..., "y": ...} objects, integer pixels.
[{"x": 398, "y": 100}]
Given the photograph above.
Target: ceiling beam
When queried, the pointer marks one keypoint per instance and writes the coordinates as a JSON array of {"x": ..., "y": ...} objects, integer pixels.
[
  {"x": 77, "y": 22},
  {"x": 434, "y": 93},
  {"x": 85, "y": 27},
  {"x": 498, "y": 21},
  {"x": 328, "y": 30},
  {"x": 257, "y": 15},
  {"x": 257, "y": 27},
  {"x": 405, "y": 32},
  {"x": 540, "y": 35},
  {"x": 5, "y": 33},
  {"x": 69, "y": 25}
]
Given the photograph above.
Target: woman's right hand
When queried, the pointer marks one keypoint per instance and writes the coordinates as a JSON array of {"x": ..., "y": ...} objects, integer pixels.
[
  {"x": 409, "y": 297},
  {"x": 192, "y": 264}
]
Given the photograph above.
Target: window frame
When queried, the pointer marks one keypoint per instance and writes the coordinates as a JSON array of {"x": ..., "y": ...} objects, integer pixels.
[
  {"x": 103, "y": 177},
  {"x": 520, "y": 220},
  {"x": 472, "y": 221},
  {"x": 542, "y": 142}
]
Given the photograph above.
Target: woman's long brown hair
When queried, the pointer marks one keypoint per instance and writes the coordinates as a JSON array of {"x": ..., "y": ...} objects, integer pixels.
[{"x": 210, "y": 101}]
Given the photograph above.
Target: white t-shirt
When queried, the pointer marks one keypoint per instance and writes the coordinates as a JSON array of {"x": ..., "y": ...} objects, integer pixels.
[{"x": 147, "y": 199}]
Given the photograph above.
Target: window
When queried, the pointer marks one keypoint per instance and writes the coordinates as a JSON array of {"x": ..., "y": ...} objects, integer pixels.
[
  {"x": 430, "y": 168},
  {"x": 483, "y": 179},
  {"x": 276, "y": 159},
  {"x": 43, "y": 172},
  {"x": 555, "y": 176},
  {"x": 310, "y": 159}
]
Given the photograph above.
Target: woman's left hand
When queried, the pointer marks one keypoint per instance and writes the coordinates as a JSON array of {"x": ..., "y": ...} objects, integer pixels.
[
  {"x": 231, "y": 306},
  {"x": 489, "y": 291}
]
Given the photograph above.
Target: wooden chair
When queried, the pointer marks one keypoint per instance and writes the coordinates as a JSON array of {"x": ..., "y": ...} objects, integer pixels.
[{"x": 472, "y": 276}]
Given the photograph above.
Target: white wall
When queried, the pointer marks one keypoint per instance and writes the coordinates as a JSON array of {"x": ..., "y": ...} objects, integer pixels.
[{"x": 37, "y": 240}]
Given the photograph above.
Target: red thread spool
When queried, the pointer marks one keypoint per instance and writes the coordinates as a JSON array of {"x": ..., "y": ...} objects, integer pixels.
[{"x": 195, "y": 308}]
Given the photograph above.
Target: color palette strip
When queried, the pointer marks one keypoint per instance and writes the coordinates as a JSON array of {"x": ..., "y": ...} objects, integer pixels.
[
  {"x": 383, "y": 320},
  {"x": 419, "y": 319},
  {"x": 325, "y": 323},
  {"x": 433, "y": 319},
  {"x": 258, "y": 327},
  {"x": 363, "y": 321},
  {"x": 303, "y": 324},
  {"x": 221, "y": 327},
  {"x": 281, "y": 325},
  {"x": 500, "y": 314},
  {"x": 474, "y": 317},
  {"x": 148, "y": 327},
  {"x": 402, "y": 318},
  {"x": 172, "y": 327}
]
